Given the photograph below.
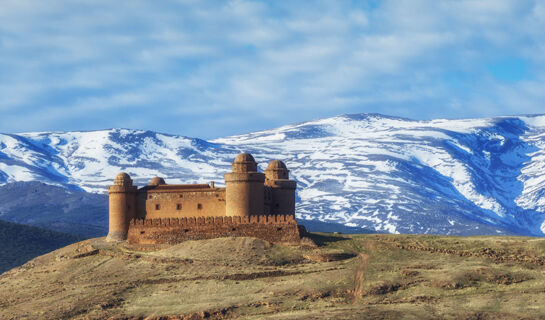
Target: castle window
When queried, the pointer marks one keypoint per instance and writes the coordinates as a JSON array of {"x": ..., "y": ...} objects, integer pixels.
[
  {"x": 199, "y": 206},
  {"x": 179, "y": 206},
  {"x": 181, "y": 196},
  {"x": 157, "y": 207}
]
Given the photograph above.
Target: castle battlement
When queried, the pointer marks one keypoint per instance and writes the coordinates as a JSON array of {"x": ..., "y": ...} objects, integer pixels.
[
  {"x": 193, "y": 221},
  {"x": 252, "y": 203}
]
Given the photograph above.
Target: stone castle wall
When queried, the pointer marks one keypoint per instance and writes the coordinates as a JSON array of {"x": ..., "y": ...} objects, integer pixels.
[
  {"x": 272, "y": 228},
  {"x": 179, "y": 203}
]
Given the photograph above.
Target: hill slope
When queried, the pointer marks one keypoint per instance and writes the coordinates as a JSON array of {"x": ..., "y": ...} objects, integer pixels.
[
  {"x": 21, "y": 243},
  {"x": 460, "y": 177},
  {"x": 56, "y": 208},
  {"x": 351, "y": 277}
]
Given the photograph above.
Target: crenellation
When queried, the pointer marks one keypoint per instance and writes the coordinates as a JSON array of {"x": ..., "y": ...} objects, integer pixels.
[{"x": 260, "y": 220}]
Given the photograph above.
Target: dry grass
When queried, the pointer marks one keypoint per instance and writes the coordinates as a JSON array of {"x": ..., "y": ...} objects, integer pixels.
[{"x": 348, "y": 277}]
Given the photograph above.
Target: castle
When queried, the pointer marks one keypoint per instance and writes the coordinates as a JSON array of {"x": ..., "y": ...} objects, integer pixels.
[{"x": 251, "y": 204}]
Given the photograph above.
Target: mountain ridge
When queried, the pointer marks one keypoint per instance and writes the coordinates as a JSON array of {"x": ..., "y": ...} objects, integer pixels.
[{"x": 388, "y": 174}]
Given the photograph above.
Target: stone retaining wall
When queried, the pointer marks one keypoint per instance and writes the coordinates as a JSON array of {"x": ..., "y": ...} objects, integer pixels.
[{"x": 273, "y": 228}]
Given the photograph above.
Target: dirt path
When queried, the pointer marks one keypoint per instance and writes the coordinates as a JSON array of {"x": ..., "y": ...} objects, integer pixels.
[{"x": 358, "y": 278}]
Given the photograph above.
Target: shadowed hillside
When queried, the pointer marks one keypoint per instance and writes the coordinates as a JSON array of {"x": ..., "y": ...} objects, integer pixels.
[
  {"x": 55, "y": 208},
  {"x": 21, "y": 243}
]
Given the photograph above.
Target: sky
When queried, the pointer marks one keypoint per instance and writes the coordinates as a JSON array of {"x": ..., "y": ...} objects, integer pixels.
[{"x": 210, "y": 69}]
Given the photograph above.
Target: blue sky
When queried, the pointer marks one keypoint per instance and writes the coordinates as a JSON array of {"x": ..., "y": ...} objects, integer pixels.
[{"x": 215, "y": 68}]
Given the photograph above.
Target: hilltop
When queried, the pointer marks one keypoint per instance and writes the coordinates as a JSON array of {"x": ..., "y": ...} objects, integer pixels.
[{"x": 347, "y": 277}]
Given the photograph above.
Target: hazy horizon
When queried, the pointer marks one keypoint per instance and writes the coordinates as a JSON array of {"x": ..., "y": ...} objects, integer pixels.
[{"x": 280, "y": 125}]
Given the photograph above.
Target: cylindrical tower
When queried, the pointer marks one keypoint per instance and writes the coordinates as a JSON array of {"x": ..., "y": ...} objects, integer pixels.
[
  {"x": 122, "y": 205},
  {"x": 282, "y": 188},
  {"x": 244, "y": 193}
]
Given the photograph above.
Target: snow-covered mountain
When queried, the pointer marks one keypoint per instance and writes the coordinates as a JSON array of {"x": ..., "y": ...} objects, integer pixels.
[{"x": 473, "y": 176}]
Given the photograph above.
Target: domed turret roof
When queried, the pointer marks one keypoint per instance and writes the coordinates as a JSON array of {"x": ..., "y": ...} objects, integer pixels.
[
  {"x": 123, "y": 179},
  {"x": 277, "y": 170},
  {"x": 156, "y": 181},
  {"x": 123, "y": 176},
  {"x": 276, "y": 165},
  {"x": 244, "y": 162},
  {"x": 244, "y": 157}
]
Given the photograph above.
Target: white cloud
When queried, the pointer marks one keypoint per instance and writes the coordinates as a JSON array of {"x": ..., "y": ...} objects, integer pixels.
[{"x": 261, "y": 63}]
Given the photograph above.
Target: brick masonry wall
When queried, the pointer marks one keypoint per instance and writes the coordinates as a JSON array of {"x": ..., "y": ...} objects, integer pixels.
[
  {"x": 174, "y": 203},
  {"x": 274, "y": 228}
]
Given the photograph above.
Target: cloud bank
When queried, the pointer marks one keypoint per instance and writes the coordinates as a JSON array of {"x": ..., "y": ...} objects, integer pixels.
[{"x": 214, "y": 68}]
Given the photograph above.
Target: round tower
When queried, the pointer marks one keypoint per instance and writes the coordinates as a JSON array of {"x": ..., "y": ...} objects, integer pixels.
[
  {"x": 282, "y": 188},
  {"x": 244, "y": 189},
  {"x": 122, "y": 205}
]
